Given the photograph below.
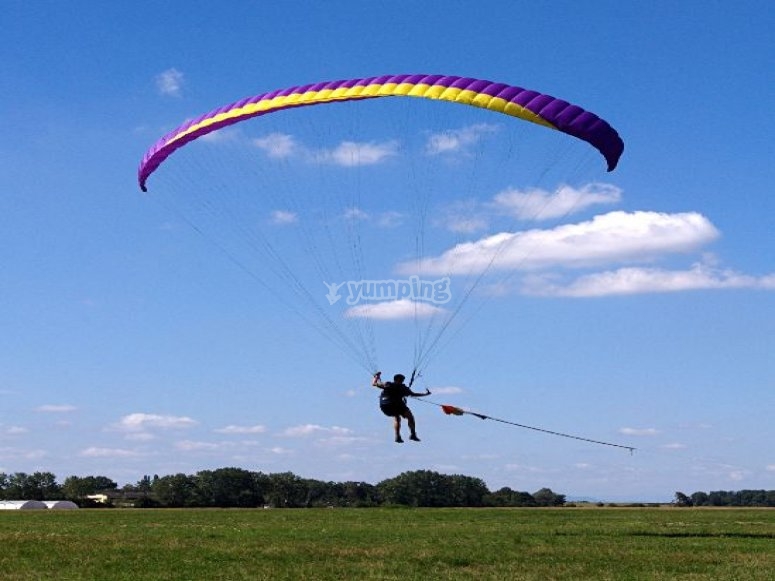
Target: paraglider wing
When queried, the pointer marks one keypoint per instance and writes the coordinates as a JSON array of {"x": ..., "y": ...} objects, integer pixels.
[{"x": 498, "y": 97}]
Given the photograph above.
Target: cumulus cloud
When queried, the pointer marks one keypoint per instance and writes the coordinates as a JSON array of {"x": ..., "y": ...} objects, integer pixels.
[
  {"x": 524, "y": 468},
  {"x": 170, "y": 82},
  {"x": 469, "y": 216},
  {"x": 639, "y": 431},
  {"x": 354, "y": 215},
  {"x": 279, "y": 450},
  {"x": 314, "y": 429},
  {"x": 97, "y": 452},
  {"x": 398, "y": 309},
  {"x": 390, "y": 219},
  {"x": 353, "y": 154},
  {"x": 538, "y": 204},
  {"x": 56, "y": 409},
  {"x": 139, "y": 436},
  {"x": 446, "y": 390},
  {"x": 346, "y": 154},
  {"x": 223, "y": 135},
  {"x": 462, "y": 224},
  {"x": 257, "y": 429},
  {"x": 193, "y": 446},
  {"x": 277, "y": 145},
  {"x": 463, "y": 217},
  {"x": 141, "y": 421},
  {"x": 628, "y": 281},
  {"x": 607, "y": 238},
  {"x": 457, "y": 140},
  {"x": 283, "y": 217}
]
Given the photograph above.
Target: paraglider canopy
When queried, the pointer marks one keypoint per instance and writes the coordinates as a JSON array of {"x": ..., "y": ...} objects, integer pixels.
[{"x": 499, "y": 97}]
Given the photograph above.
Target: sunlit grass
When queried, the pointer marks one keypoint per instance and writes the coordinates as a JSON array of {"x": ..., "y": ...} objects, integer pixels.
[{"x": 565, "y": 543}]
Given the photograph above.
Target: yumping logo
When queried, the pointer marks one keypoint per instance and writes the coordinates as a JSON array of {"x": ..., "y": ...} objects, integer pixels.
[{"x": 413, "y": 289}]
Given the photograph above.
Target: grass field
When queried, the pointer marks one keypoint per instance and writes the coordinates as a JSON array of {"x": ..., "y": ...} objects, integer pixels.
[{"x": 566, "y": 543}]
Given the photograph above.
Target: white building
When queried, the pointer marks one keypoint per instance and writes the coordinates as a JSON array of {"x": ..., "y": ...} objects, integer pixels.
[{"x": 21, "y": 504}]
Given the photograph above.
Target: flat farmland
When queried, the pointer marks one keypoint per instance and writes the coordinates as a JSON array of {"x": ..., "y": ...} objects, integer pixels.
[{"x": 387, "y": 543}]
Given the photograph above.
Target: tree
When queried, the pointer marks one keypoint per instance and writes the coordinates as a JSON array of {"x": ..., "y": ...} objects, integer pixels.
[
  {"x": 359, "y": 494},
  {"x": 227, "y": 487},
  {"x": 681, "y": 499},
  {"x": 35, "y": 486},
  {"x": 174, "y": 491},
  {"x": 284, "y": 490},
  {"x": 428, "y": 488},
  {"x": 144, "y": 486},
  {"x": 545, "y": 497},
  {"x": 43, "y": 486},
  {"x": 417, "y": 488},
  {"x": 467, "y": 491},
  {"x": 17, "y": 486},
  {"x": 77, "y": 488},
  {"x": 508, "y": 497}
]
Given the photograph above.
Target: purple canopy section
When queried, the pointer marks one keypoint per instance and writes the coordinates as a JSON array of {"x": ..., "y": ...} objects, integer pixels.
[{"x": 563, "y": 116}]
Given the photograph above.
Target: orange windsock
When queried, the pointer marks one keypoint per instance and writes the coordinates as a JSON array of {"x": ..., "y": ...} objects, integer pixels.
[{"x": 451, "y": 410}]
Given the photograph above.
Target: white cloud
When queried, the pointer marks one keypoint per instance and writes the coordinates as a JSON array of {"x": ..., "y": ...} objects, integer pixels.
[
  {"x": 139, "y": 437},
  {"x": 538, "y": 204},
  {"x": 223, "y": 135},
  {"x": 523, "y": 468},
  {"x": 469, "y": 216},
  {"x": 463, "y": 217},
  {"x": 639, "y": 431},
  {"x": 398, "y": 309},
  {"x": 282, "y": 217},
  {"x": 674, "y": 446},
  {"x": 15, "y": 430},
  {"x": 313, "y": 429},
  {"x": 770, "y": 468},
  {"x": 192, "y": 446},
  {"x": 613, "y": 237},
  {"x": 170, "y": 82},
  {"x": 12, "y": 453},
  {"x": 338, "y": 440},
  {"x": 352, "y": 154},
  {"x": 456, "y": 140},
  {"x": 446, "y": 390},
  {"x": 277, "y": 145},
  {"x": 355, "y": 214},
  {"x": 628, "y": 281},
  {"x": 232, "y": 429},
  {"x": 142, "y": 421},
  {"x": 466, "y": 224},
  {"x": 97, "y": 452},
  {"x": 390, "y": 219},
  {"x": 280, "y": 450},
  {"x": 56, "y": 409}
]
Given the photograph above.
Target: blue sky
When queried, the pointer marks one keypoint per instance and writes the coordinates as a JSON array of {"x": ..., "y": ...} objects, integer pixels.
[{"x": 131, "y": 345}]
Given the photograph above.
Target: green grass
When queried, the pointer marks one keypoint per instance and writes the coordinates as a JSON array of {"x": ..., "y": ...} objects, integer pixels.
[{"x": 567, "y": 543}]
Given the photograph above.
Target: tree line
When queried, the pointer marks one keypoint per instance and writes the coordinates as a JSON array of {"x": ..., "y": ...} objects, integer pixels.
[
  {"x": 236, "y": 487},
  {"x": 727, "y": 498}
]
